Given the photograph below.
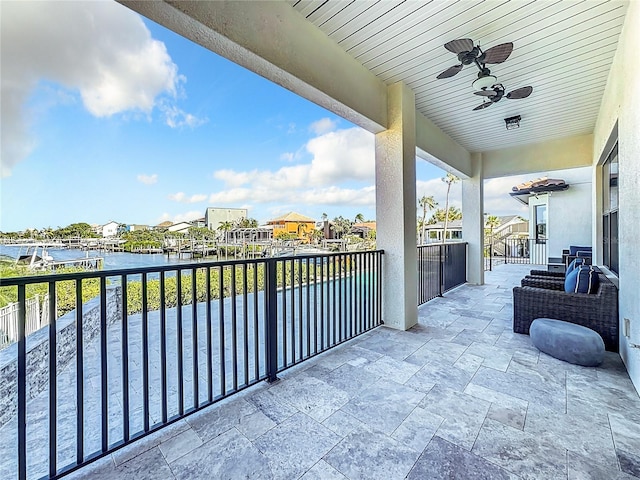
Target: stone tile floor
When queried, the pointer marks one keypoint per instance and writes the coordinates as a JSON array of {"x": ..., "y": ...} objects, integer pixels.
[{"x": 457, "y": 396}]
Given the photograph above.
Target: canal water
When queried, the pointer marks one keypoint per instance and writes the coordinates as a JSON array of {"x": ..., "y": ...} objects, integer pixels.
[{"x": 112, "y": 260}]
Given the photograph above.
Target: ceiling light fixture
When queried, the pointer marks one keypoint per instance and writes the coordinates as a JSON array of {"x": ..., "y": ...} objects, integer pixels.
[
  {"x": 512, "y": 122},
  {"x": 483, "y": 82}
]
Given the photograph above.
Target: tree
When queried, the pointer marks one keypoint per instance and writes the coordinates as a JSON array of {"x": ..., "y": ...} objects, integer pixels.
[
  {"x": 439, "y": 216},
  {"x": 491, "y": 222},
  {"x": 359, "y": 218},
  {"x": 317, "y": 235},
  {"x": 224, "y": 227},
  {"x": 324, "y": 217},
  {"x": 82, "y": 230},
  {"x": 449, "y": 179},
  {"x": 341, "y": 226},
  {"x": 425, "y": 203},
  {"x": 246, "y": 223}
]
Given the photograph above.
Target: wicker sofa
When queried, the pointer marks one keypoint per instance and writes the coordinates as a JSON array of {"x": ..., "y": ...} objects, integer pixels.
[{"x": 546, "y": 298}]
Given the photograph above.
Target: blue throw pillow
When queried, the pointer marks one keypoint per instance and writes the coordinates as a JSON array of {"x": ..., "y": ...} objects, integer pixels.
[
  {"x": 573, "y": 250},
  {"x": 576, "y": 262},
  {"x": 587, "y": 280},
  {"x": 570, "y": 280}
]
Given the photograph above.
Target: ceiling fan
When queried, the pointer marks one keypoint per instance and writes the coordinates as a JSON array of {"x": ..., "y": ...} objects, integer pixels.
[
  {"x": 486, "y": 84},
  {"x": 496, "y": 93}
]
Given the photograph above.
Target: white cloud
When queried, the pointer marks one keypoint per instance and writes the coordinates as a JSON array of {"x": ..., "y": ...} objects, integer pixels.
[
  {"x": 324, "y": 125},
  {"x": 341, "y": 156},
  {"x": 100, "y": 49},
  {"x": 176, "y": 118},
  {"x": 180, "y": 217},
  {"x": 438, "y": 189},
  {"x": 338, "y": 158},
  {"x": 288, "y": 156},
  {"x": 339, "y": 196},
  {"x": 183, "y": 198},
  {"x": 148, "y": 179},
  {"x": 497, "y": 200}
]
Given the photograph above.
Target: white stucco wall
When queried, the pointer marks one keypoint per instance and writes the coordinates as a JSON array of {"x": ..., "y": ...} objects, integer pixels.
[
  {"x": 569, "y": 213},
  {"x": 621, "y": 103},
  {"x": 110, "y": 229}
]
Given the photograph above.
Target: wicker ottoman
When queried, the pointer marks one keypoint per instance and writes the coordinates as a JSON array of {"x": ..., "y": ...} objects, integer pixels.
[{"x": 567, "y": 341}]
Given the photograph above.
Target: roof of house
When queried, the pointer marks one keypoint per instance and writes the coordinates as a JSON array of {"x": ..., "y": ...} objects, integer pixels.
[
  {"x": 292, "y": 217},
  {"x": 440, "y": 225},
  {"x": 370, "y": 225},
  {"x": 165, "y": 224},
  {"x": 509, "y": 218}
]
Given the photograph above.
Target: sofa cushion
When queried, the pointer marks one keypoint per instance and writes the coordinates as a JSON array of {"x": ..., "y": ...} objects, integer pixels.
[
  {"x": 582, "y": 279},
  {"x": 576, "y": 262},
  {"x": 573, "y": 250},
  {"x": 570, "y": 281}
]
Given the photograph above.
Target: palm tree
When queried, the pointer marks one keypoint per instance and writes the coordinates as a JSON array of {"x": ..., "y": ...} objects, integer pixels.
[
  {"x": 449, "y": 179},
  {"x": 225, "y": 227},
  {"x": 359, "y": 218},
  {"x": 341, "y": 226},
  {"x": 491, "y": 223},
  {"x": 425, "y": 203},
  {"x": 439, "y": 215}
]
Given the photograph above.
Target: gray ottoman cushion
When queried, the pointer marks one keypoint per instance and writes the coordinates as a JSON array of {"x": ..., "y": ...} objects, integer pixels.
[{"x": 567, "y": 341}]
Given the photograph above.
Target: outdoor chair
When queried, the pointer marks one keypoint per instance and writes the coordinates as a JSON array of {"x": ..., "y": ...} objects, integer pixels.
[
  {"x": 559, "y": 276},
  {"x": 597, "y": 311},
  {"x": 574, "y": 252}
]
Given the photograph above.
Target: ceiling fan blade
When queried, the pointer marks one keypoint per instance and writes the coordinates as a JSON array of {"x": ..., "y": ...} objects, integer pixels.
[
  {"x": 498, "y": 54},
  {"x": 523, "y": 92},
  {"x": 486, "y": 93},
  {"x": 459, "y": 46},
  {"x": 484, "y": 105},
  {"x": 450, "y": 72}
]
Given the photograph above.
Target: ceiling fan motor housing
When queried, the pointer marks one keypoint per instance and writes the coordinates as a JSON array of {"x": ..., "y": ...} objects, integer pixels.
[{"x": 467, "y": 58}]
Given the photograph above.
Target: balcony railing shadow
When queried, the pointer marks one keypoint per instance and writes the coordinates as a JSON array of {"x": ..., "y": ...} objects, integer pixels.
[{"x": 159, "y": 343}]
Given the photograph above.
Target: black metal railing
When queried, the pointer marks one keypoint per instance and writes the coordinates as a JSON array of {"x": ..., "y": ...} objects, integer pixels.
[
  {"x": 441, "y": 267},
  {"x": 521, "y": 250},
  {"x": 487, "y": 255},
  {"x": 156, "y": 344}
]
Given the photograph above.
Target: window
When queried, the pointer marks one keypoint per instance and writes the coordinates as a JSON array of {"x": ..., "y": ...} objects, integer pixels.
[
  {"x": 541, "y": 223},
  {"x": 610, "y": 210}
]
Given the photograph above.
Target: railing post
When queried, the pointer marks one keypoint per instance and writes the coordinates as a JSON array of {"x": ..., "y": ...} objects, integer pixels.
[
  {"x": 491, "y": 256},
  {"x": 22, "y": 384},
  {"x": 271, "y": 299},
  {"x": 441, "y": 253}
]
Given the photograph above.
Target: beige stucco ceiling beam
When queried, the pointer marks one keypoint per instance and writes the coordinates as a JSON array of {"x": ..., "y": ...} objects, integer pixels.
[
  {"x": 437, "y": 147},
  {"x": 569, "y": 152}
]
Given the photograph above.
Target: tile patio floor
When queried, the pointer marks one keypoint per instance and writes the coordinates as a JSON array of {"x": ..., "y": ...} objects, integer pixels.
[{"x": 458, "y": 396}]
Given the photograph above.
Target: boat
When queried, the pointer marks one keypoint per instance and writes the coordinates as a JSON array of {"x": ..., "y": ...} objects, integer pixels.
[{"x": 36, "y": 258}]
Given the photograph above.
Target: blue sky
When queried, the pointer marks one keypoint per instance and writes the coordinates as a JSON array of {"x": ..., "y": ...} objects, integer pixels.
[{"x": 112, "y": 117}]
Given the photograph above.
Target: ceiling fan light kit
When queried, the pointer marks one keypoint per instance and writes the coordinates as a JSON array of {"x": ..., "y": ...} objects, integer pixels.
[
  {"x": 485, "y": 85},
  {"x": 483, "y": 82}
]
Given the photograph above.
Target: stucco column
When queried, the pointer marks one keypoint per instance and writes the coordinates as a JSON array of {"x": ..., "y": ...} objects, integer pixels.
[
  {"x": 473, "y": 220},
  {"x": 396, "y": 208}
]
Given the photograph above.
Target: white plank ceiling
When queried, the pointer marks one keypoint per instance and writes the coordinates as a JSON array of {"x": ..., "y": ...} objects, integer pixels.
[{"x": 562, "y": 48}]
